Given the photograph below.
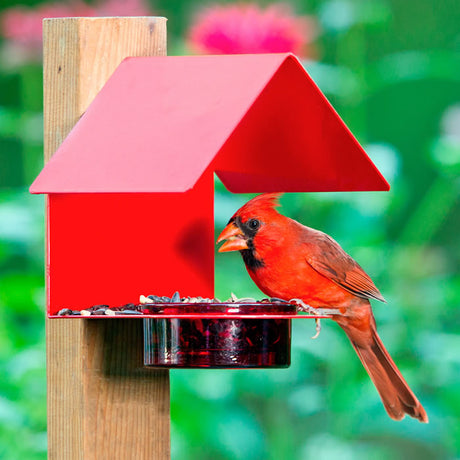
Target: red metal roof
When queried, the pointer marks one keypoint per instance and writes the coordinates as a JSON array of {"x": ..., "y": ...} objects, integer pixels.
[{"x": 259, "y": 121}]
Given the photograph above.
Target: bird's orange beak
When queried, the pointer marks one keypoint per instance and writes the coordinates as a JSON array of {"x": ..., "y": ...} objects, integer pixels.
[{"x": 236, "y": 241}]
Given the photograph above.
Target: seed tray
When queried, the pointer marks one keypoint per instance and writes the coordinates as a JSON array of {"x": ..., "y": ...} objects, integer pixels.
[
  {"x": 197, "y": 311},
  {"x": 163, "y": 307},
  {"x": 197, "y": 332}
]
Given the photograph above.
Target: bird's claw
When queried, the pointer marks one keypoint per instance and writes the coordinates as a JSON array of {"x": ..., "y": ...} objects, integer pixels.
[
  {"x": 301, "y": 305},
  {"x": 318, "y": 328}
]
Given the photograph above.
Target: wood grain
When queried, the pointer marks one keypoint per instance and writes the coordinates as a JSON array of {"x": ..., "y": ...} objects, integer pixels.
[{"x": 102, "y": 402}]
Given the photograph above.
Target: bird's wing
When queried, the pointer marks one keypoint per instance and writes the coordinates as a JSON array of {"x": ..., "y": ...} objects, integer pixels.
[{"x": 327, "y": 257}]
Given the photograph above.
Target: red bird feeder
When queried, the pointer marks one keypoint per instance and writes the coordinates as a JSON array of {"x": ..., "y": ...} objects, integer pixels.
[{"x": 131, "y": 188}]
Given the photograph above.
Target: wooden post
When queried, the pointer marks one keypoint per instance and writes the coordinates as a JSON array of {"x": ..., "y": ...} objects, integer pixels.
[{"x": 102, "y": 402}]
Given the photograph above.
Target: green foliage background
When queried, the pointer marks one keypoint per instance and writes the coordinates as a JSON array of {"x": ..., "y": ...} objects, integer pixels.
[{"x": 391, "y": 69}]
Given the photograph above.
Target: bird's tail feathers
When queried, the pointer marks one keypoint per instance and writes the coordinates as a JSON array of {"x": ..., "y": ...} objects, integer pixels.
[{"x": 396, "y": 395}]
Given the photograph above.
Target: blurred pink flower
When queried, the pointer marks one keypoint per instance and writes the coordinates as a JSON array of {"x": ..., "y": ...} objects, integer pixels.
[
  {"x": 248, "y": 28},
  {"x": 23, "y": 26}
]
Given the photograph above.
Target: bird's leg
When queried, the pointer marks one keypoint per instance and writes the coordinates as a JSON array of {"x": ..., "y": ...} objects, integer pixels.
[{"x": 301, "y": 305}]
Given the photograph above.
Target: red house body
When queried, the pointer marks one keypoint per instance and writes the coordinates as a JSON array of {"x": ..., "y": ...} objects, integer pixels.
[{"x": 131, "y": 189}]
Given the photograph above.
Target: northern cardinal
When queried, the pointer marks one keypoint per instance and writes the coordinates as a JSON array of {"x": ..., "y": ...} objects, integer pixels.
[{"x": 288, "y": 260}]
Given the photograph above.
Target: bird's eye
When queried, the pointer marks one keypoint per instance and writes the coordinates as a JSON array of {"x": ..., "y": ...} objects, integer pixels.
[{"x": 253, "y": 224}]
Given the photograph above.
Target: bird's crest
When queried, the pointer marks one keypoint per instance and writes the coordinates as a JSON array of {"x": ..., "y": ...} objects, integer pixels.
[
  {"x": 260, "y": 204},
  {"x": 266, "y": 200}
]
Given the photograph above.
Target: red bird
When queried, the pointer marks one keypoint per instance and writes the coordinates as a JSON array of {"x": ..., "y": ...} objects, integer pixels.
[{"x": 290, "y": 261}]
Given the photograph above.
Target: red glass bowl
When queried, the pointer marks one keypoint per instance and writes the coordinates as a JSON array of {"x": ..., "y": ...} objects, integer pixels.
[{"x": 225, "y": 336}]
